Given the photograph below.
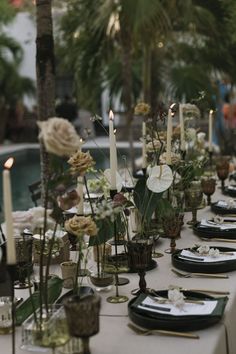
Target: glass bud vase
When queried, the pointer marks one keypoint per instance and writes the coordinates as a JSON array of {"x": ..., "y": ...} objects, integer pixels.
[{"x": 45, "y": 329}]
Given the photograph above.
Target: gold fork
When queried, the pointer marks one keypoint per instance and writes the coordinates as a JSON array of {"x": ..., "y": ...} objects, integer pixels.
[
  {"x": 212, "y": 239},
  {"x": 203, "y": 275},
  {"x": 146, "y": 332}
]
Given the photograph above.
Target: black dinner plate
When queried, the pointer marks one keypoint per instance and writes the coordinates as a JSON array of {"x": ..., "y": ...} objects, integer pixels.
[
  {"x": 230, "y": 192},
  {"x": 212, "y": 232},
  {"x": 204, "y": 267},
  {"x": 221, "y": 209},
  {"x": 154, "y": 320}
]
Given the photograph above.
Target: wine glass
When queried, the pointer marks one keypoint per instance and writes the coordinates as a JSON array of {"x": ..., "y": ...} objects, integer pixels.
[
  {"x": 222, "y": 169},
  {"x": 172, "y": 228},
  {"x": 208, "y": 188},
  {"x": 139, "y": 258},
  {"x": 193, "y": 200},
  {"x": 82, "y": 315}
]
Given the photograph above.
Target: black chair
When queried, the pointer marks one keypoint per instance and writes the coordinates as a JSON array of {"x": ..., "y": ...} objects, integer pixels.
[{"x": 35, "y": 192}]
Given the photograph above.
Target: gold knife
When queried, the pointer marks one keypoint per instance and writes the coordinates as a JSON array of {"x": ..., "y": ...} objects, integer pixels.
[
  {"x": 208, "y": 291},
  {"x": 209, "y": 275},
  {"x": 212, "y": 239},
  {"x": 206, "y": 275}
]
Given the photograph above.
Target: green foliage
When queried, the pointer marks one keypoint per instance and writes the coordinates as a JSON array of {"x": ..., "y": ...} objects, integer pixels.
[
  {"x": 196, "y": 38},
  {"x": 145, "y": 200},
  {"x": 32, "y": 303},
  {"x": 105, "y": 232},
  {"x": 12, "y": 85}
]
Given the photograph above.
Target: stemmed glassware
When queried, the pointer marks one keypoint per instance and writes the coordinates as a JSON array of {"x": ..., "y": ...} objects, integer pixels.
[
  {"x": 83, "y": 318},
  {"x": 139, "y": 258},
  {"x": 193, "y": 197},
  {"x": 208, "y": 188},
  {"x": 222, "y": 169},
  {"x": 172, "y": 228}
]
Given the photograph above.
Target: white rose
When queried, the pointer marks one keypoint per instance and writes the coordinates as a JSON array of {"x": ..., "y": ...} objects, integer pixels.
[
  {"x": 59, "y": 136},
  {"x": 218, "y": 219},
  {"x": 204, "y": 249},
  {"x": 201, "y": 137},
  {"x": 214, "y": 252},
  {"x": 176, "y": 297},
  {"x": 231, "y": 204}
]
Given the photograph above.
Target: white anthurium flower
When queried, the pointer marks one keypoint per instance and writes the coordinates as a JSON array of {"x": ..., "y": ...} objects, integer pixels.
[
  {"x": 119, "y": 180},
  {"x": 160, "y": 178}
]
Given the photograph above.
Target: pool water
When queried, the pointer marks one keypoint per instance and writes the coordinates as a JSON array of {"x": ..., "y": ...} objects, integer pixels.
[{"x": 26, "y": 170}]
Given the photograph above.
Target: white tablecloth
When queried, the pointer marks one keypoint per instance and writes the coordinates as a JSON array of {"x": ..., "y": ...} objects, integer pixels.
[{"x": 115, "y": 337}]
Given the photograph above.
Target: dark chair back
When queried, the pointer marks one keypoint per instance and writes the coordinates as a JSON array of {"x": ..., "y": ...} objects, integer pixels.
[{"x": 35, "y": 192}]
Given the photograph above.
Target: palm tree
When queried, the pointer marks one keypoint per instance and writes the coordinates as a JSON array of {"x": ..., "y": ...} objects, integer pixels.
[
  {"x": 12, "y": 86},
  {"x": 169, "y": 39},
  {"x": 45, "y": 70}
]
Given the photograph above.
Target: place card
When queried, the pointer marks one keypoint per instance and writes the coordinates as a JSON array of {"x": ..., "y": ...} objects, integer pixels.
[
  {"x": 194, "y": 257},
  {"x": 188, "y": 309},
  {"x": 211, "y": 224}
]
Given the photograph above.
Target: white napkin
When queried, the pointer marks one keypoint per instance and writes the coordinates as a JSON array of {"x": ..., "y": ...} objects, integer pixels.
[
  {"x": 202, "y": 259},
  {"x": 232, "y": 188},
  {"x": 74, "y": 210},
  {"x": 205, "y": 223},
  {"x": 222, "y": 203},
  {"x": 187, "y": 310}
]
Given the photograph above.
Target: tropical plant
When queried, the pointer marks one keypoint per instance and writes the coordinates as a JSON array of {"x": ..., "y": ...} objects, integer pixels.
[{"x": 12, "y": 85}]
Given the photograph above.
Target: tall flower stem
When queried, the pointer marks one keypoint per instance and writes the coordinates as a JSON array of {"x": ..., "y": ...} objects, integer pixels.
[
  {"x": 42, "y": 249},
  {"x": 93, "y": 213},
  {"x": 48, "y": 266},
  {"x": 78, "y": 267}
]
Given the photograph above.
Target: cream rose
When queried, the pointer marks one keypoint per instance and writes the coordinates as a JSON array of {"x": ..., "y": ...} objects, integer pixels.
[
  {"x": 59, "y": 136},
  {"x": 81, "y": 225},
  {"x": 80, "y": 162},
  {"x": 142, "y": 109}
]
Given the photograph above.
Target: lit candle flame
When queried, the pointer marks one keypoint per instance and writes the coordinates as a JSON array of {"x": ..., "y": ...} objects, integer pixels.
[
  {"x": 8, "y": 164},
  {"x": 114, "y": 131},
  {"x": 111, "y": 115},
  {"x": 81, "y": 140},
  {"x": 211, "y": 111}
]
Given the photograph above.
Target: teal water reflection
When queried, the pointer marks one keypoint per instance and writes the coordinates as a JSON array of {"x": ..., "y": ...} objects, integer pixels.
[{"x": 26, "y": 170}]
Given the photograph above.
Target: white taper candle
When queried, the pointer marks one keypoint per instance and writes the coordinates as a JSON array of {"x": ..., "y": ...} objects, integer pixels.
[
  {"x": 113, "y": 151},
  {"x": 210, "y": 129},
  {"x": 7, "y": 202},
  {"x": 169, "y": 137},
  {"x": 182, "y": 130}
]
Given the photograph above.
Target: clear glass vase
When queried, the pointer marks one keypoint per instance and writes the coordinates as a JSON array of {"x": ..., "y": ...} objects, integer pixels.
[{"x": 46, "y": 330}]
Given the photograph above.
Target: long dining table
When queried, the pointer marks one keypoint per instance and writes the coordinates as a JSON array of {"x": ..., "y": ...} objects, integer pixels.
[{"x": 116, "y": 337}]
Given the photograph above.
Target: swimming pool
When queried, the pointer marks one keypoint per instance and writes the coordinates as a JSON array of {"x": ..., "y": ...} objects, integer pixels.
[{"x": 26, "y": 170}]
